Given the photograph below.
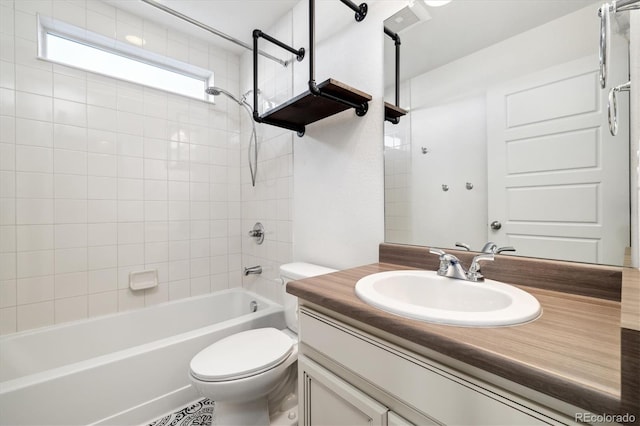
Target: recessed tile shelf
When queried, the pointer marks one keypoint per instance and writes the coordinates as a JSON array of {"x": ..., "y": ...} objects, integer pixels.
[{"x": 307, "y": 108}]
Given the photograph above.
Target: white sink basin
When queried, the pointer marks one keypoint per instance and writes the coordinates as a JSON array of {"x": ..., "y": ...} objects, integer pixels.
[{"x": 426, "y": 296}]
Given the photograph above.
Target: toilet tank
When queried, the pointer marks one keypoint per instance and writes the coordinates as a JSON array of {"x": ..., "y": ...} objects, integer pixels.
[{"x": 297, "y": 271}]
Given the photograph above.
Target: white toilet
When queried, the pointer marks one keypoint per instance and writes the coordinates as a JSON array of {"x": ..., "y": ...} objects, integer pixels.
[{"x": 250, "y": 372}]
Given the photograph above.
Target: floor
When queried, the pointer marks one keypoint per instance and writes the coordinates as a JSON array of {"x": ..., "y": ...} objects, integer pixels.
[{"x": 199, "y": 413}]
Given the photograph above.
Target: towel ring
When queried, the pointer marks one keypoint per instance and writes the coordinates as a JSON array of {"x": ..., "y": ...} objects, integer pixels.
[
  {"x": 605, "y": 31},
  {"x": 613, "y": 106}
]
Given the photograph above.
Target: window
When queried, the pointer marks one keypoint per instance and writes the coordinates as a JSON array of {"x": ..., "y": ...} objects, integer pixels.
[{"x": 68, "y": 45}]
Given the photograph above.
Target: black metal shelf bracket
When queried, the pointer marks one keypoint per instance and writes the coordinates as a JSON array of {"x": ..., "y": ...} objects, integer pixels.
[
  {"x": 396, "y": 41},
  {"x": 360, "y": 10},
  {"x": 361, "y": 109},
  {"x": 299, "y": 57},
  {"x": 315, "y": 90}
]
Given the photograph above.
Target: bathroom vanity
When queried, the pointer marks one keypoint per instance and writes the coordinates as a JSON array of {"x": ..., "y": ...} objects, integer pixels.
[{"x": 359, "y": 364}]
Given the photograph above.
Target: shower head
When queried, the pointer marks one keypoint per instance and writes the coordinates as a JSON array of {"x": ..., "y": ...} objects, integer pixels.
[{"x": 215, "y": 91}]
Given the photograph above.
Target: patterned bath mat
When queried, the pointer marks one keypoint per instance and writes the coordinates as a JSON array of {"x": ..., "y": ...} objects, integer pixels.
[{"x": 197, "y": 414}]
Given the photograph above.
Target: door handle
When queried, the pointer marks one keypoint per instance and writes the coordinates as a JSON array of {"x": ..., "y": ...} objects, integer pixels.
[{"x": 495, "y": 225}]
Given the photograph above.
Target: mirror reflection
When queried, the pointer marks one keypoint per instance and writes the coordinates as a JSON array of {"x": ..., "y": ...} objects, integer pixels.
[{"x": 507, "y": 140}]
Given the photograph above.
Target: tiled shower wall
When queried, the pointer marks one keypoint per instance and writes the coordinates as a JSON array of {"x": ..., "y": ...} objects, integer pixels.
[{"x": 99, "y": 177}]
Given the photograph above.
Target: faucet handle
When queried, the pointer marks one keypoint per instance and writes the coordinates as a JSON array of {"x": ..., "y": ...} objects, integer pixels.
[
  {"x": 444, "y": 260},
  {"x": 465, "y": 246},
  {"x": 506, "y": 248},
  {"x": 474, "y": 270},
  {"x": 436, "y": 251}
]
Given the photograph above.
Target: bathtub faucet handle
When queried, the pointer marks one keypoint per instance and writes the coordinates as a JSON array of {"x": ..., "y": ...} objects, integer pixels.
[
  {"x": 257, "y": 232},
  {"x": 252, "y": 270}
]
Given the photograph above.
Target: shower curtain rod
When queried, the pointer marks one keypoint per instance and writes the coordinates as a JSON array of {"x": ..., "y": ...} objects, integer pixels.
[
  {"x": 622, "y": 5},
  {"x": 211, "y": 30}
]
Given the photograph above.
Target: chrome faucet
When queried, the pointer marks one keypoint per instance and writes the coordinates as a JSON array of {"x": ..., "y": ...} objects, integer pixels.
[
  {"x": 473, "y": 274},
  {"x": 451, "y": 267},
  {"x": 253, "y": 270}
]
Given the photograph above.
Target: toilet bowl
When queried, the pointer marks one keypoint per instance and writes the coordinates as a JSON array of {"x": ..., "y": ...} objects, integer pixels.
[{"x": 251, "y": 375}]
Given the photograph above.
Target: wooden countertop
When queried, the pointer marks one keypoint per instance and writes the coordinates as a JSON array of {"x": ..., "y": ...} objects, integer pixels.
[{"x": 572, "y": 352}]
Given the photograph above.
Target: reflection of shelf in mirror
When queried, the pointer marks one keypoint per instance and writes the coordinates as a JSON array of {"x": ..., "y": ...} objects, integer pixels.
[
  {"x": 393, "y": 113},
  {"x": 307, "y": 108}
]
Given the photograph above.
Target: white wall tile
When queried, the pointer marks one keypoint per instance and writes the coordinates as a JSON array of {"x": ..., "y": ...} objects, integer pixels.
[
  {"x": 34, "y": 263},
  {"x": 129, "y": 145},
  {"x": 7, "y": 129},
  {"x": 69, "y": 162},
  {"x": 130, "y": 167},
  {"x": 70, "y": 186},
  {"x": 155, "y": 211},
  {"x": 8, "y": 266},
  {"x": 103, "y": 303},
  {"x": 102, "y": 234},
  {"x": 99, "y": 177},
  {"x": 72, "y": 284},
  {"x": 34, "y": 80},
  {"x": 35, "y": 289},
  {"x": 155, "y": 169},
  {"x": 131, "y": 233},
  {"x": 70, "y": 235},
  {"x": 130, "y": 189},
  {"x": 102, "y": 188},
  {"x": 8, "y": 293},
  {"x": 102, "y": 280},
  {"x": 34, "y": 159},
  {"x": 35, "y": 315},
  {"x": 71, "y": 309},
  {"x": 70, "y": 260},
  {"x": 34, "y": 211},
  {"x": 101, "y": 211},
  {"x": 103, "y": 257},
  {"x": 130, "y": 254},
  {"x": 35, "y": 107},
  {"x": 71, "y": 211},
  {"x": 128, "y": 299},
  {"x": 69, "y": 137},
  {"x": 102, "y": 165},
  {"x": 68, "y": 112},
  {"x": 69, "y": 88},
  {"x": 131, "y": 211},
  {"x": 30, "y": 185},
  {"x": 33, "y": 132}
]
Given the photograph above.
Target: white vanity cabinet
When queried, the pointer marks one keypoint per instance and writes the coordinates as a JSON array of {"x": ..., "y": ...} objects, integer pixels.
[
  {"x": 350, "y": 377},
  {"x": 329, "y": 400}
]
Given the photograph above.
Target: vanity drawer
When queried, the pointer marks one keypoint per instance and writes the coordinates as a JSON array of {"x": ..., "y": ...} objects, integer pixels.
[{"x": 431, "y": 390}]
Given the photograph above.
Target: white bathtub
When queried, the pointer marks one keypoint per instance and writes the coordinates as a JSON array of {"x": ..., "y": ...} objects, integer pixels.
[{"x": 125, "y": 368}]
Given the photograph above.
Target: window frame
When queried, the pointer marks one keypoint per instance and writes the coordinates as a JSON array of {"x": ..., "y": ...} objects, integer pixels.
[{"x": 49, "y": 26}]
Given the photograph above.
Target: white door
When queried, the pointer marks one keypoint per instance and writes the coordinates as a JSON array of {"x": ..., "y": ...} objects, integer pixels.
[{"x": 558, "y": 181}]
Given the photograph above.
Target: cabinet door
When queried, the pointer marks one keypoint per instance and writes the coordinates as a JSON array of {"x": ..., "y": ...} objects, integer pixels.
[
  {"x": 330, "y": 401},
  {"x": 395, "y": 420}
]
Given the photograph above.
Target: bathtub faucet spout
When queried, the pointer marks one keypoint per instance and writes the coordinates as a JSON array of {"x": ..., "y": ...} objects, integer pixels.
[{"x": 253, "y": 270}]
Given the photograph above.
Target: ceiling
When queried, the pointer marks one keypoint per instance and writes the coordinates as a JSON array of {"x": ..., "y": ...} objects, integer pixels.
[
  {"x": 465, "y": 26},
  {"x": 237, "y": 18},
  {"x": 453, "y": 31}
]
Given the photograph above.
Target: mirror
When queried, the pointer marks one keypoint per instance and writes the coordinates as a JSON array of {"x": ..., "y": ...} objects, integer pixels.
[{"x": 507, "y": 139}]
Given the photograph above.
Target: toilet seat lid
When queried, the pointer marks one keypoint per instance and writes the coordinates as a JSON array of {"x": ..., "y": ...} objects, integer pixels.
[{"x": 242, "y": 355}]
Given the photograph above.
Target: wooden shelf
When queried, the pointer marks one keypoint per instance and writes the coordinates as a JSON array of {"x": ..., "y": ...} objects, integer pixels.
[
  {"x": 307, "y": 108},
  {"x": 392, "y": 112}
]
